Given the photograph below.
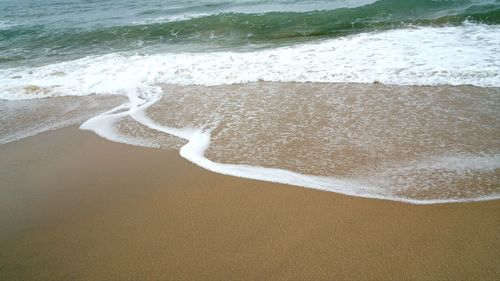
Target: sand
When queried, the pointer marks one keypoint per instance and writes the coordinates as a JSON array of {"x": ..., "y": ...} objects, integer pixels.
[{"x": 76, "y": 206}]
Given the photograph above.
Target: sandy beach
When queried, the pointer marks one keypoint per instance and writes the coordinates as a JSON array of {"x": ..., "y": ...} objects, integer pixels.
[
  {"x": 250, "y": 140},
  {"x": 74, "y": 206}
]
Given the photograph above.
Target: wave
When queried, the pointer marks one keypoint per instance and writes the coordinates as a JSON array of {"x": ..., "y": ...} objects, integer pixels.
[
  {"x": 414, "y": 56},
  {"x": 5, "y": 25},
  {"x": 240, "y": 29},
  {"x": 434, "y": 170},
  {"x": 390, "y": 42}
]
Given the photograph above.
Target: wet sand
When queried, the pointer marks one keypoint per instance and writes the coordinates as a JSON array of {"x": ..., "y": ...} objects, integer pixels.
[{"x": 75, "y": 206}]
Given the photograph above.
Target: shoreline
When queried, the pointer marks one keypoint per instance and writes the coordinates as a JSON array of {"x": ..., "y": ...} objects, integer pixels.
[
  {"x": 71, "y": 201},
  {"x": 331, "y": 143}
]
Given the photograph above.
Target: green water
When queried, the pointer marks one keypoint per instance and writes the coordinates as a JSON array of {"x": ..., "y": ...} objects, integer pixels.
[{"x": 46, "y": 31}]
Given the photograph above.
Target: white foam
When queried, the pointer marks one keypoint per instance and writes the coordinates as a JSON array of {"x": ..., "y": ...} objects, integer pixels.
[
  {"x": 461, "y": 163},
  {"x": 451, "y": 163},
  {"x": 198, "y": 141},
  {"x": 102, "y": 124},
  {"x": 416, "y": 56},
  {"x": 460, "y": 55},
  {"x": 171, "y": 18},
  {"x": 7, "y": 24}
]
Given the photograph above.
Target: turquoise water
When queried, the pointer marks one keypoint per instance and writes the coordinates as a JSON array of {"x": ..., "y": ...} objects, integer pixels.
[{"x": 38, "y": 32}]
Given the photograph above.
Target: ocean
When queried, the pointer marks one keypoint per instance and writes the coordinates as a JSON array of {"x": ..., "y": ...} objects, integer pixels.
[{"x": 388, "y": 99}]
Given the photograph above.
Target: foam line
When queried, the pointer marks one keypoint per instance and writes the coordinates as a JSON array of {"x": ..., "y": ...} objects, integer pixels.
[
  {"x": 198, "y": 141},
  {"x": 102, "y": 124},
  {"x": 462, "y": 55}
]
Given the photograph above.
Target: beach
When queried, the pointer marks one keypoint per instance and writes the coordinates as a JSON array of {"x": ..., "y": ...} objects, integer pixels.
[
  {"x": 76, "y": 206},
  {"x": 250, "y": 140}
]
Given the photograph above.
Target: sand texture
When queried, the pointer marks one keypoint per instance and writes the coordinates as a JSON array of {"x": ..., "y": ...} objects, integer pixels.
[{"x": 74, "y": 206}]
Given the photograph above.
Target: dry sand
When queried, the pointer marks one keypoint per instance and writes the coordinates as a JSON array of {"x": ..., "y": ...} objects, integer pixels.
[{"x": 75, "y": 206}]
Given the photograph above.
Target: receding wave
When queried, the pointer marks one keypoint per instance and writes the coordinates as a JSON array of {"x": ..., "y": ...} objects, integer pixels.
[{"x": 419, "y": 145}]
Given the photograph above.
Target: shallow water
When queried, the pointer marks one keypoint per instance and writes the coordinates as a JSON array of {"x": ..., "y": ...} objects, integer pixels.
[
  {"x": 413, "y": 142},
  {"x": 387, "y": 99},
  {"x": 418, "y": 144}
]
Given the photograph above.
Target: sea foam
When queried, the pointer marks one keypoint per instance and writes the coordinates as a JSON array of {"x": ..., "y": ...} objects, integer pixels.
[
  {"x": 462, "y": 55},
  {"x": 199, "y": 140}
]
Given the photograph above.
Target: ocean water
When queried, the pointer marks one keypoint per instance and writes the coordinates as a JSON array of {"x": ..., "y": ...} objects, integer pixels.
[{"x": 387, "y": 99}]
